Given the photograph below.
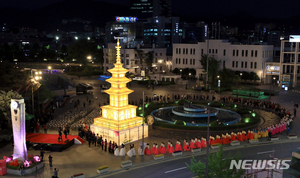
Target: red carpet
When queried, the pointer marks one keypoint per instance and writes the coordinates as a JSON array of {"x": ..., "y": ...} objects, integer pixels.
[{"x": 48, "y": 138}]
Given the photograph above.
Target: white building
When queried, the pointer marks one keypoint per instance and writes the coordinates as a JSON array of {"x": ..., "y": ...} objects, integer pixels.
[
  {"x": 250, "y": 58},
  {"x": 130, "y": 59}
]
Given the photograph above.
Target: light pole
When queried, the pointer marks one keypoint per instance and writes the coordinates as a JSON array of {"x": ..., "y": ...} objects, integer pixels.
[
  {"x": 207, "y": 50},
  {"x": 219, "y": 83},
  {"x": 189, "y": 80},
  {"x": 207, "y": 143},
  {"x": 49, "y": 69}
]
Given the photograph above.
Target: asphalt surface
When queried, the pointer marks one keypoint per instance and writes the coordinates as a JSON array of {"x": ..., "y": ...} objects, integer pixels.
[{"x": 178, "y": 168}]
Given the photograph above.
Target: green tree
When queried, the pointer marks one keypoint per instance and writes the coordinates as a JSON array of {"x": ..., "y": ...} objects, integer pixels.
[
  {"x": 213, "y": 67},
  {"x": 176, "y": 71},
  {"x": 227, "y": 77},
  {"x": 5, "y": 100},
  {"x": 218, "y": 166},
  {"x": 80, "y": 49},
  {"x": 11, "y": 78},
  {"x": 140, "y": 55},
  {"x": 149, "y": 59}
]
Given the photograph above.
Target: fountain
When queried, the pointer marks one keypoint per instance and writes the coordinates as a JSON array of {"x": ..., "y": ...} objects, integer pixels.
[{"x": 195, "y": 115}]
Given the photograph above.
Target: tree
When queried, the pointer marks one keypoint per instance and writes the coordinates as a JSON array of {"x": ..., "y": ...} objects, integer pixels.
[
  {"x": 213, "y": 66},
  {"x": 140, "y": 55},
  {"x": 5, "y": 100},
  {"x": 218, "y": 166},
  {"x": 176, "y": 71},
  {"x": 149, "y": 59},
  {"x": 80, "y": 49},
  {"x": 227, "y": 77},
  {"x": 11, "y": 78}
]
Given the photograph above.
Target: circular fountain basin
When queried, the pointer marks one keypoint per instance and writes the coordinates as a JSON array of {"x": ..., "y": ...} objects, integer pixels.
[{"x": 195, "y": 115}]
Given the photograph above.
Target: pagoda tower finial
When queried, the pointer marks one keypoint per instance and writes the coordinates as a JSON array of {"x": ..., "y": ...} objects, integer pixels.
[{"x": 118, "y": 47}]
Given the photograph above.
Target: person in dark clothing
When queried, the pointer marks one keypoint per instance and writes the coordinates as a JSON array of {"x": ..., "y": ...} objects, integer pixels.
[
  {"x": 102, "y": 143},
  {"x": 295, "y": 111},
  {"x": 90, "y": 140},
  {"x": 50, "y": 160},
  {"x": 105, "y": 145},
  {"x": 270, "y": 135},
  {"x": 95, "y": 140},
  {"x": 42, "y": 155},
  {"x": 109, "y": 147},
  {"x": 66, "y": 133}
]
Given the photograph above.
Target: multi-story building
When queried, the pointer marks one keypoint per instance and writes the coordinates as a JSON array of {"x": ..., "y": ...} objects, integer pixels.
[
  {"x": 132, "y": 61},
  {"x": 162, "y": 31},
  {"x": 130, "y": 30},
  {"x": 151, "y": 8},
  {"x": 250, "y": 58}
]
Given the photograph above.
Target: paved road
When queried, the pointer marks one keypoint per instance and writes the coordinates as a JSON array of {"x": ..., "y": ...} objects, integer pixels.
[{"x": 177, "y": 168}]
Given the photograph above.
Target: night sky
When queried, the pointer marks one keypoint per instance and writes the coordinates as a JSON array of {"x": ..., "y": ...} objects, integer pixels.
[{"x": 257, "y": 8}]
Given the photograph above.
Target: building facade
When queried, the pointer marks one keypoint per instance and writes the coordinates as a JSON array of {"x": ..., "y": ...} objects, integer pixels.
[
  {"x": 150, "y": 8},
  {"x": 249, "y": 58}
]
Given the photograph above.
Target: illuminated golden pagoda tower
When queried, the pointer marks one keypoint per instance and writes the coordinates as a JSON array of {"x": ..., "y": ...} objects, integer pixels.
[{"x": 119, "y": 122}]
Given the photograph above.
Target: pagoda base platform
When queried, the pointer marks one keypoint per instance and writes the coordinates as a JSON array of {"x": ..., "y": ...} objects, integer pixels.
[{"x": 123, "y": 136}]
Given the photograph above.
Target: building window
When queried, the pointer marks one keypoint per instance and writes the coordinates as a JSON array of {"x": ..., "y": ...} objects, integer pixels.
[
  {"x": 255, "y": 53},
  {"x": 127, "y": 55},
  {"x": 176, "y": 50},
  {"x": 183, "y": 61},
  {"x": 237, "y": 52},
  {"x": 127, "y": 61},
  {"x": 255, "y": 65},
  {"x": 201, "y": 52},
  {"x": 183, "y": 51},
  {"x": 216, "y": 51},
  {"x": 179, "y": 60},
  {"x": 242, "y": 64},
  {"x": 246, "y": 53},
  {"x": 251, "y": 53},
  {"x": 236, "y": 64},
  {"x": 193, "y": 61},
  {"x": 179, "y": 50},
  {"x": 186, "y": 51},
  {"x": 224, "y": 52},
  {"x": 232, "y": 63},
  {"x": 233, "y": 53},
  {"x": 194, "y": 51},
  {"x": 135, "y": 55},
  {"x": 242, "y": 53},
  {"x": 186, "y": 61},
  {"x": 191, "y": 51},
  {"x": 209, "y": 51},
  {"x": 122, "y": 55},
  {"x": 246, "y": 64},
  {"x": 176, "y": 60},
  {"x": 251, "y": 65},
  {"x": 213, "y": 50}
]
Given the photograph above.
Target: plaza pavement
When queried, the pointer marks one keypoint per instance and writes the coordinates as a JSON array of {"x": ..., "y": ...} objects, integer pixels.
[{"x": 82, "y": 159}]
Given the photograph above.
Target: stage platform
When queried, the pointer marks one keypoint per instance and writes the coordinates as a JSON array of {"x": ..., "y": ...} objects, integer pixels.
[{"x": 50, "y": 141}]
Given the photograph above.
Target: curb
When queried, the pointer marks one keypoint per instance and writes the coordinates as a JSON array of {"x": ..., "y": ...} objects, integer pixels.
[{"x": 190, "y": 154}]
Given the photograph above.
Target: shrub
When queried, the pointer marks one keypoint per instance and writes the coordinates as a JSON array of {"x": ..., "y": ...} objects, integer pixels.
[
  {"x": 243, "y": 110},
  {"x": 182, "y": 102},
  {"x": 179, "y": 122},
  {"x": 103, "y": 167},
  {"x": 216, "y": 104}
]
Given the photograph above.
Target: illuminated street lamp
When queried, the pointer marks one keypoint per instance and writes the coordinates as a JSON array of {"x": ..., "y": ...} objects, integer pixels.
[
  {"x": 49, "y": 67},
  {"x": 57, "y": 38},
  {"x": 219, "y": 83}
]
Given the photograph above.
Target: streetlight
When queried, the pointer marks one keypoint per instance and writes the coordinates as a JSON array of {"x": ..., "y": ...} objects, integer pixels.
[
  {"x": 49, "y": 67},
  {"x": 189, "y": 80},
  {"x": 180, "y": 71},
  {"x": 35, "y": 77},
  {"x": 219, "y": 83},
  {"x": 89, "y": 57}
]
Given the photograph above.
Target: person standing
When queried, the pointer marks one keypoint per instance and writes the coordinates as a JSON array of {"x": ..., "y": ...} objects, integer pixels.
[
  {"x": 45, "y": 129},
  {"x": 287, "y": 131},
  {"x": 55, "y": 173},
  {"x": 102, "y": 143},
  {"x": 105, "y": 145},
  {"x": 22, "y": 171},
  {"x": 50, "y": 160},
  {"x": 42, "y": 154},
  {"x": 65, "y": 132},
  {"x": 109, "y": 147}
]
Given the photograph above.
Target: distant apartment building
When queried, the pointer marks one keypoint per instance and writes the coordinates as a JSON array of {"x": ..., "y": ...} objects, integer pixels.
[
  {"x": 151, "y": 8},
  {"x": 250, "y": 58}
]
